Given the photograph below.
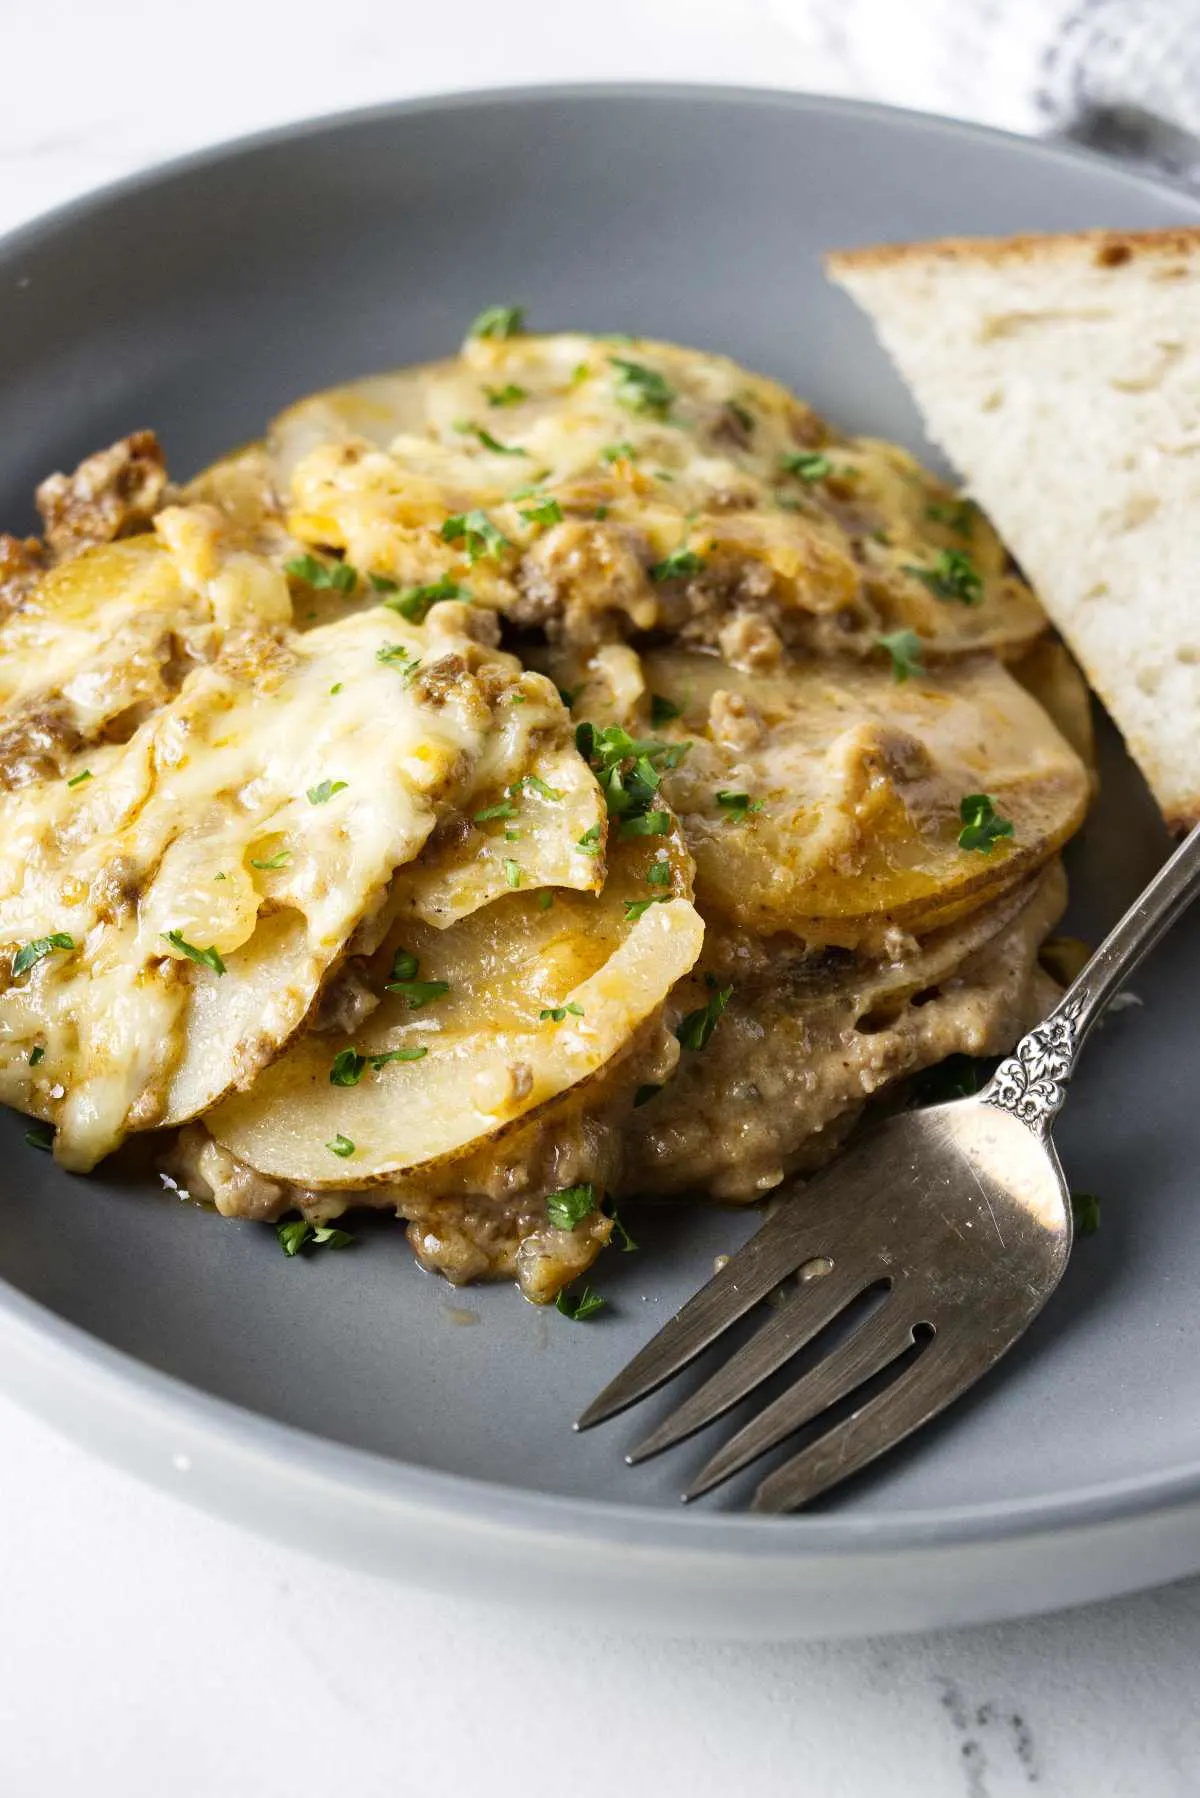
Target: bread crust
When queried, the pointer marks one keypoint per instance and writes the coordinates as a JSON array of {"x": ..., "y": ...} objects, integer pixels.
[{"x": 1110, "y": 249}]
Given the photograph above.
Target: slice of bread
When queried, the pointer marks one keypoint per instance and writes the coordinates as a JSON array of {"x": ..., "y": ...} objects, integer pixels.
[{"x": 1061, "y": 375}]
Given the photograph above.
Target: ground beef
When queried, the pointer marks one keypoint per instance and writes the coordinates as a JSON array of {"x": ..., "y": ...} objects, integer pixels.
[
  {"x": 112, "y": 494},
  {"x": 22, "y": 565}
]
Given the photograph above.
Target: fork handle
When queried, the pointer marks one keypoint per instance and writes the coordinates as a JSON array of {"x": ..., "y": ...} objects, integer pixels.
[{"x": 1032, "y": 1081}]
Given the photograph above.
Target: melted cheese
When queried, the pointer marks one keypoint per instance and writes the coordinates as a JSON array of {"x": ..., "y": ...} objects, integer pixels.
[{"x": 316, "y": 755}]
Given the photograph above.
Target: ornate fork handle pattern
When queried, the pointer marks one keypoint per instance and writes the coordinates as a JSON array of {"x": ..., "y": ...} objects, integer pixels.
[{"x": 1032, "y": 1082}]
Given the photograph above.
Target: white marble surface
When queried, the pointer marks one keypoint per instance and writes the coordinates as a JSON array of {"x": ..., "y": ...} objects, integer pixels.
[{"x": 145, "y": 1649}]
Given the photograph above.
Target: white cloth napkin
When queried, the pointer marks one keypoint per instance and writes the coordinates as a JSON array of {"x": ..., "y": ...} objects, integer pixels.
[{"x": 1123, "y": 74}]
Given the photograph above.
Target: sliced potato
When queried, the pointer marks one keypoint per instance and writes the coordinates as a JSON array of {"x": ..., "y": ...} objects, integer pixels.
[
  {"x": 599, "y": 463},
  {"x": 199, "y": 886},
  {"x": 535, "y": 1001},
  {"x": 850, "y": 785}
]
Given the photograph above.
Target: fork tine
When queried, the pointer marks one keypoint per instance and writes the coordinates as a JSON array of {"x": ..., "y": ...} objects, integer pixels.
[
  {"x": 801, "y": 1317},
  {"x": 868, "y": 1351},
  {"x": 867, "y": 1433},
  {"x": 775, "y": 1251}
]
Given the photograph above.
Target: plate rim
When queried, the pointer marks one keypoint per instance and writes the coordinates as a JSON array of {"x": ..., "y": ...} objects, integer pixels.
[{"x": 58, "y": 1366}]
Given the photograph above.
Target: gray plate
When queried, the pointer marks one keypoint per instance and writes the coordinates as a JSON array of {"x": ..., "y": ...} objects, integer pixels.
[{"x": 347, "y": 1402}]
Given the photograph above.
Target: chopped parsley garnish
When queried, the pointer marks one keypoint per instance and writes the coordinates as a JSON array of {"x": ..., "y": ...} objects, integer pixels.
[
  {"x": 504, "y": 808},
  {"x": 508, "y": 395},
  {"x": 337, "y": 577},
  {"x": 537, "y": 785},
  {"x": 953, "y": 576},
  {"x": 415, "y": 602},
  {"x": 570, "y": 1205},
  {"x": 335, "y": 689},
  {"x": 600, "y": 512},
  {"x": 695, "y": 1030},
  {"x": 637, "y": 908},
  {"x": 904, "y": 647},
  {"x": 394, "y": 655},
  {"x": 512, "y": 871},
  {"x": 280, "y": 859},
  {"x": 618, "y": 452},
  {"x": 545, "y": 900},
  {"x": 297, "y": 1233},
  {"x": 742, "y": 414},
  {"x": 347, "y": 1069},
  {"x": 663, "y": 710},
  {"x": 646, "y": 824},
  {"x": 403, "y": 981},
  {"x": 479, "y": 536},
  {"x": 810, "y": 465},
  {"x": 624, "y": 1241},
  {"x": 547, "y": 511},
  {"x": 381, "y": 1061},
  {"x": 383, "y": 583},
  {"x": 512, "y": 836},
  {"x": 738, "y": 805},
  {"x": 658, "y": 874},
  {"x": 489, "y": 442},
  {"x": 959, "y": 517},
  {"x": 629, "y": 770},
  {"x": 342, "y": 1146},
  {"x": 680, "y": 563},
  {"x": 642, "y": 389},
  {"x": 36, "y": 1055},
  {"x": 324, "y": 793},
  {"x": 644, "y": 1094},
  {"x": 209, "y": 958},
  {"x": 982, "y": 824},
  {"x": 580, "y": 1309},
  {"x": 589, "y": 842},
  {"x": 77, "y": 780},
  {"x": 498, "y": 322},
  {"x": 29, "y": 954},
  {"x": 1085, "y": 1209},
  {"x": 554, "y": 1014},
  {"x": 40, "y": 1137}
]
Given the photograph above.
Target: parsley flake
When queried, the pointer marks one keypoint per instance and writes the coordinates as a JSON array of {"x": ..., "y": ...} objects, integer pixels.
[
  {"x": 209, "y": 958},
  {"x": 336, "y": 577},
  {"x": 580, "y": 1309},
  {"x": 618, "y": 452},
  {"x": 341, "y": 1146},
  {"x": 809, "y": 466},
  {"x": 418, "y": 992},
  {"x": 953, "y": 576},
  {"x": 647, "y": 824},
  {"x": 680, "y": 563},
  {"x": 570, "y": 1205},
  {"x": 512, "y": 872},
  {"x": 381, "y": 1061},
  {"x": 489, "y": 442},
  {"x": 504, "y": 808},
  {"x": 555, "y": 1014},
  {"x": 658, "y": 874},
  {"x": 589, "y": 842},
  {"x": 404, "y": 965},
  {"x": 629, "y": 771},
  {"x": 547, "y": 511},
  {"x": 624, "y": 1241},
  {"x": 545, "y": 900},
  {"x": 644, "y": 1094},
  {"x": 77, "y": 780},
  {"x": 537, "y": 785},
  {"x": 508, "y": 395},
  {"x": 498, "y": 322},
  {"x": 36, "y": 1055},
  {"x": 958, "y": 517},
  {"x": 40, "y": 1137},
  {"x": 904, "y": 647},
  {"x": 280, "y": 859},
  {"x": 347, "y": 1069},
  {"x": 394, "y": 655},
  {"x": 695, "y": 1030},
  {"x": 29, "y": 954},
  {"x": 663, "y": 710},
  {"x": 738, "y": 805},
  {"x": 297, "y": 1233},
  {"x": 324, "y": 793},
  {"x": 982, "y": 825},
  {"x": 637, "y": 908},
  {"x": 415, "y": 602},
  {"x": 642, "y": 389},
  {"x": 479, "y": 536}
]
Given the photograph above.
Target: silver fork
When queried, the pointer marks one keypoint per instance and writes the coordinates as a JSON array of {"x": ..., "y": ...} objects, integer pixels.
[{"x": 959, "y": 1213}]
